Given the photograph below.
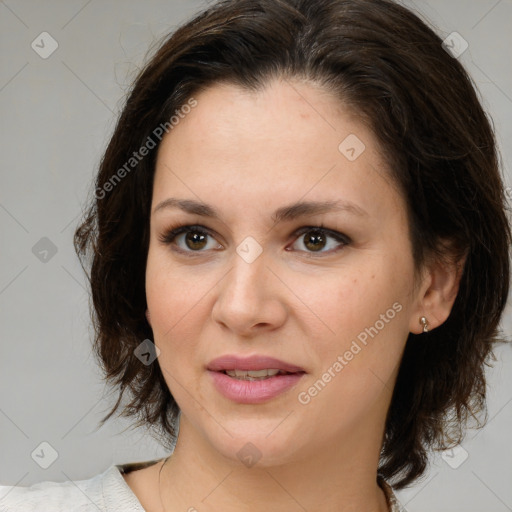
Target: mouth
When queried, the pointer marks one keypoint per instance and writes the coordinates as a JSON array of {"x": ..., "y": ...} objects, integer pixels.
[
  {"x": 256, "y": 366},
  {"x": 253, "y": 380},
  {"x": 253, "y": 375}
]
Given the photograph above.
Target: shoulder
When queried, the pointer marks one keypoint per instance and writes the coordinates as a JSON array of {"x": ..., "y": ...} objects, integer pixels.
[
  {"x": 105, "y": 492},
  {"x": 56, "y": 496}
]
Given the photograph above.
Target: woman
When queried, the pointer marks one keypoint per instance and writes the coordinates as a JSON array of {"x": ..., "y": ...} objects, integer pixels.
[{"x": 301, "y": 205}]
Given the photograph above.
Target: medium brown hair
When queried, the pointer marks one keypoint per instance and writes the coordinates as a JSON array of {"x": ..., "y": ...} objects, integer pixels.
[{"x": 390, "y": 68}]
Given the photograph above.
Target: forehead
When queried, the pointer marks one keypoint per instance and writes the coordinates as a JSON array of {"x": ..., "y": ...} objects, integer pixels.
[{"x": 286, "y": 141}]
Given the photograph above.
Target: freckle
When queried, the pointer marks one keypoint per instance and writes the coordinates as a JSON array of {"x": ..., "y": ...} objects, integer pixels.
[{"x": 373, "y": 276}]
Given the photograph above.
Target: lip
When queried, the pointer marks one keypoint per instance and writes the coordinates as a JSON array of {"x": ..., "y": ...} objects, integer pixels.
[
  {"x": 257, "y": 391},
  {"x": 256, "y": 362}
]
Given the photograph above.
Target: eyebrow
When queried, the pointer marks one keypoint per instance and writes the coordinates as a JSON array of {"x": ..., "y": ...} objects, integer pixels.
[{"x": 283, "y": 214}]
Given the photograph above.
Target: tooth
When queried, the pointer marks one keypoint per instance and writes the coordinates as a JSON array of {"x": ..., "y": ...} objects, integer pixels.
[
  {"x": 257, "y": 373},
  {"x": 254, "y": 374}
]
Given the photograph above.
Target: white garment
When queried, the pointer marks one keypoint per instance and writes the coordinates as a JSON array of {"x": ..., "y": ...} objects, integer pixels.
[{"x": 105, "y": 492}]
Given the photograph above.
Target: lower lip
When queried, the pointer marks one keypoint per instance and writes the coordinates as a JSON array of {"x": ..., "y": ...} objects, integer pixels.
[{"x": 253, "y": 391}]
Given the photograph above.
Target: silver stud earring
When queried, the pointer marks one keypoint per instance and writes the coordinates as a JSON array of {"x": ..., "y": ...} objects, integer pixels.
[{"x": 424, "y": 323}]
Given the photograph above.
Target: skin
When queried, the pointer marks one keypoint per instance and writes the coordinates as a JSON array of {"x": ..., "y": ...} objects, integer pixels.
[{"x": 247, "y": 154}]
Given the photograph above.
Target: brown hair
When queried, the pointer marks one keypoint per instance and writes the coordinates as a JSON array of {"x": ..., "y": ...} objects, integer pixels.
[{"x": 388, "y": 66}]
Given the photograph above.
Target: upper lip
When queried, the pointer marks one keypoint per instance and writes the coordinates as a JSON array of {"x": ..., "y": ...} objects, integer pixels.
[{"x": 256, "y": 362}]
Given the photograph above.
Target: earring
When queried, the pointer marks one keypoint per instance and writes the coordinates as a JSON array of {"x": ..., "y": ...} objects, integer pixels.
[{"x": 424, "y": 323}]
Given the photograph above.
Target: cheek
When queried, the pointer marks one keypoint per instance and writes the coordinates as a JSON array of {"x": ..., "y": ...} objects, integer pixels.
[
  {"x": 363, "y": 310},
  {"x": 360, "y": 295},
  {"x": 172, "y": 292},
  {"x": 171, "y": 297},
  {"x": 367, "y": 318}
]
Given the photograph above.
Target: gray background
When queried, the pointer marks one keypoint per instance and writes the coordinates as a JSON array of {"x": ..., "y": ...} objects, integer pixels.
[{"x": 57, "y": 114}]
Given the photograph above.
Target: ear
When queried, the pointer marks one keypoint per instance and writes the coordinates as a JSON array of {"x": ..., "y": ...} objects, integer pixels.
[
  {"x": 147, "y": 317},
  {"x": 437, "y": 292}
]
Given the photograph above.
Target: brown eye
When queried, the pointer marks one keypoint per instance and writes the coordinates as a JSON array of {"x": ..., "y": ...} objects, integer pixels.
[
  {"x": 195, "y": 240},
  {"x": 316, "y": 239},
  {"x": 189, "y": 239}
]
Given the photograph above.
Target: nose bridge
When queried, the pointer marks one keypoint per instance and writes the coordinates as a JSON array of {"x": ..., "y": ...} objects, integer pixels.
[
  {"x": 247, "y": 296},
  {"x": 247, "y": 279}
]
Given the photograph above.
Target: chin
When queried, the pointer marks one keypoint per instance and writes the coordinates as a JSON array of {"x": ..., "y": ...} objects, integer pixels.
[{"x": 257, "y": 445}]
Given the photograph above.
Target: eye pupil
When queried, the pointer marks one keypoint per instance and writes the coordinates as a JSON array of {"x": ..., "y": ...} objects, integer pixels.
[
  {"x": 317, "y": 241},
  {"x": 196, "y": 239}
]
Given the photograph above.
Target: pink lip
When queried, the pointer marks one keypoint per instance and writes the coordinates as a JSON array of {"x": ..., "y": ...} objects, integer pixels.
[
  {"x": 232, "y": 362},
  {"x": 252, "y": 392}
]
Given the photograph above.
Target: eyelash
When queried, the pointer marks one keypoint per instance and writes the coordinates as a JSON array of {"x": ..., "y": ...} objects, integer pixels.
[{"x": 169, "y": 236}]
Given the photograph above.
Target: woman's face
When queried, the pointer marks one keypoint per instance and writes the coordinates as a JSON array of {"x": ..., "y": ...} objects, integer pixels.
[{"x": 336, "y": 303}]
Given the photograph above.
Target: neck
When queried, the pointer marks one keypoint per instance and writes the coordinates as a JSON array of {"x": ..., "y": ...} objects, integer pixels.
[{"x": 339, "y": 479}]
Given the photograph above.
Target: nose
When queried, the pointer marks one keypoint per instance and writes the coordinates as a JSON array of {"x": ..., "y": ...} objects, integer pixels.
[{"x": 250, "y": 297}]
